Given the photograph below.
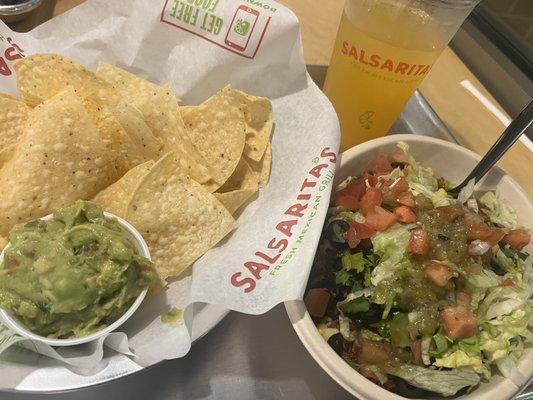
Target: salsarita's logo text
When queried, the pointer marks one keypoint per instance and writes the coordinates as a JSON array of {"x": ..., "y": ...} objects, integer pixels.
[
  {"x": 9, "y": 53},
  {"x": 382, "y": 63}
]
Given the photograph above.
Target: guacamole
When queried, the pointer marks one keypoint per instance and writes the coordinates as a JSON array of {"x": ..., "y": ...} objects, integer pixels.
[{"x": 72, "y": 275}]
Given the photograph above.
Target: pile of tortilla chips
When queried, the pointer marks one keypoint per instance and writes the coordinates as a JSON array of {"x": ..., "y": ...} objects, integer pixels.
[{"x": 177, "y": 173}]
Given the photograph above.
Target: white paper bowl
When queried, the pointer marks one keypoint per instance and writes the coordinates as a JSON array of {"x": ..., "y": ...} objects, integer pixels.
[
  {"x": 142, "y": 248},
  {"x": 454, "y": 163}
]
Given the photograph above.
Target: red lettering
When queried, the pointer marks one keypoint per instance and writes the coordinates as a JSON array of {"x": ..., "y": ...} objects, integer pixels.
[
  {"x": 4, "y": 69},
  {"x": 411, "y": 69},
  {"x": 362, "y": 57},
  {"x": 304, "y": 197},
  {"x": 286, "y": 226},
  {"x": 307, "y": 184},
  {"x": 353, "y": 52},
  {"x": 317, "y": 170},
  {"x": 280, "y": 245},
  {"x": 10, "y": 41},
  {"x": 268, "y": 259},
  {"x": 344, "y": 48},
  {"x": 296, "y": 210},
  {"x": 401, "y": 68},
  {"x": 375, "y": 60},
  {"x": 328, "y": 153},
  {"x": 238, "y": 282},
  {"x": 255, "y": 268},
  {"x": 418, "y": 69},
  {"x": 12, "y": 54},
  {"x": 387, "y": 65},
  {"x": 425, "y": 70}
]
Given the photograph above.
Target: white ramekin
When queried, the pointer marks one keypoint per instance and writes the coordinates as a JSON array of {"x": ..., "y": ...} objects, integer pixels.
[{"x": 16, "y": 326}]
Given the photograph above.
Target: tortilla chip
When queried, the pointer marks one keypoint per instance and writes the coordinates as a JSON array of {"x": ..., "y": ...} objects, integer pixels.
[
  {"x": 7, "y": 96},
  {"x": 116, "y": 198},
  {"x": 235, "y": 199},
  {"x": 157, "y": 106},
  {"x": 125, "y": 152},
  {"x": 238, "y": 188},
  {"x": 42, "y": 76},
  {"x": 133, "y": 123},
  {"x": 242, "y": 178},
  {"x": 217, "y": 129},
  {"x": 59, "y": 159},
  {"x": 13, "y": 116},
  {"x": 6, "y": 154},
  {"x": 262, "y": 168},
  {"x": 259, "y": 123},
  {"x": 178, "y": 218}
]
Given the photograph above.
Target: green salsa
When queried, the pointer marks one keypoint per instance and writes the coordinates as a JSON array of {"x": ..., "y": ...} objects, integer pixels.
[{"x": 72, "y": 275}]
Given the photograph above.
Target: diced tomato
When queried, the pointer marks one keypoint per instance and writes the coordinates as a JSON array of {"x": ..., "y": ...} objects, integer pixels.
[
  {"x": 458, "y": 322},
  {"x": 406, "y": 199},
  {"x": 361, "y": 231},
  {"x": 438, "y": 273},
  {"x": 351, "y": 237},
  {"x": 369, "y": 179},
  {"x": 481, "y": 231},
  {"x": 495, "y": 236},
  {"x": 463, "y": 298},
  {"x": 372, "y": 352},
  {"x": 405, "y": 214},
  {"x": 316, "y": 301},
  {"x": 380, "y": 165},
  {"x": 416, "y": 352},
  {"x": 392, "y": 189},
  {"x": 451, "y": 213},
  {"x": 517, "y": 239},
  {"x": 350, "y": 196},
  {"x": 419, "y": 242},
  {"x": 371, "y": 198},
  {"x": 507, "y": 282},
  {"x": 347, "y": 202},
  {"x": 379, "y": 219},
  {"x": 398, "y": 156}
]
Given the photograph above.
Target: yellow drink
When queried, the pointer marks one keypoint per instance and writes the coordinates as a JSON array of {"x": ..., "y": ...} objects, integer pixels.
[{"x": 382, "y": 53}]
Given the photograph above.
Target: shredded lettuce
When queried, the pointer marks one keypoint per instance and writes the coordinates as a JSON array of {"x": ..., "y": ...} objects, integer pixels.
[
  {"x": 458, "y": 359},
  {"x": 499, "y": 211},
  {"x": 443, "y": 382},
  {"x": 391, "y": 246},
  {"x": 422, "y": 181},
  {"x": 466, "y": 193}
]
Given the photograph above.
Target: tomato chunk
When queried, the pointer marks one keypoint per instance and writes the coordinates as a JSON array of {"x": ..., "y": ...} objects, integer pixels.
[
  {"x": 361, "y": 231},
  {"x": 406, "y": 199},
  {"x": 458, "y": 322},
  {"x": 517, "y": 239},
  {"x": 350, "y": 196},
  {"x": 379, "y": 219},
  {"x": 463, "y": 298},
  {"x": 451, "y": 213},
  {"x": 438, "y": 273},
  {"x": 405, "y": 214},
  {"x": 380, "y": 165},
  {"x": 371, "y": 198},
  {"x": 393, "y": 188},
  {"x": 507, "y": 282},
  {"x": 419, "y": 242},
  {"x": 316, "y": 301},
  {"x": 372, "y": 352}
]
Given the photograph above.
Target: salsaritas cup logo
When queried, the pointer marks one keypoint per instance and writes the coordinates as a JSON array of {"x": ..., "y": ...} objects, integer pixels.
[{"x": 239, "y": 29}]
